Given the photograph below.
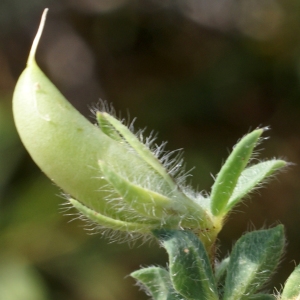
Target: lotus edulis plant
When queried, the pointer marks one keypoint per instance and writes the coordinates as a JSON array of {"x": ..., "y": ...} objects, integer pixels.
[{"x": 120, "y": 180}]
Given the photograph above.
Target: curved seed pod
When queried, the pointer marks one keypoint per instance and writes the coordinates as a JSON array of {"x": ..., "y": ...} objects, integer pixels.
[
  {"x": 68, "y": 148},
  {"x": 55, "y": 135}
]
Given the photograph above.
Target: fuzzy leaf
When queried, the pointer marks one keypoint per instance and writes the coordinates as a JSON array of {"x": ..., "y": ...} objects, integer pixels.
[
  {"x": 253, "y": 259},
  {"x": 291, "y": 289},
  {"x": 251, "y": 177},
  {"x": 220, "y": 275},
  {"x": 221, "y": 270},
  {"x": 230, "y": 172},
  {"x": 157, "y": 282},
  {"x": 189, "y": 265}
]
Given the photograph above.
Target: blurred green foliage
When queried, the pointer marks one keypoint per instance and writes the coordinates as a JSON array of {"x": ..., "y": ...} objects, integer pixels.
[{"x": 201, "y": 73}]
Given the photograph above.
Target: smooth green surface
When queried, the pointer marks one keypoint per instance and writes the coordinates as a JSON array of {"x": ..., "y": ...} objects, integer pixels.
[{"x": 64, "y": 144}]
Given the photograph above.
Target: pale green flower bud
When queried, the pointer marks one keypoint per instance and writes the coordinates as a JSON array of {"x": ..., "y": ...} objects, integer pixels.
[{"x": 110, "y": 175}]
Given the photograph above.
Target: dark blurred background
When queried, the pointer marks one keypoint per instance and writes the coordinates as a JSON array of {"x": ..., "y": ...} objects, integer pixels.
[{"x": 202, "y": 73}]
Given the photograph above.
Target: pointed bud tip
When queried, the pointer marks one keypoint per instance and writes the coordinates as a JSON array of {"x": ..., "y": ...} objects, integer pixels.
[{"x": 31, "y": 58}]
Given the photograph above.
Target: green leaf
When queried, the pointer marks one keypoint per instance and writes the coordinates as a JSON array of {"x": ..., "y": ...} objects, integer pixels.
[
  {"x": 292, "y": 286},
  {"x": 157, "y": 283},
  {"x": 189, "y": 265},
  {"x": 252, "y": 176},
  {"x": 253, "y": 259},
  {"x": 230, "y": 172}
]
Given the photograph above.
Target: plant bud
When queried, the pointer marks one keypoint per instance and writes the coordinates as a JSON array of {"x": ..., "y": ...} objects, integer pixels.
[
  {"x": 108, "y": 173},
  {"x": 115, "y": 179}
]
